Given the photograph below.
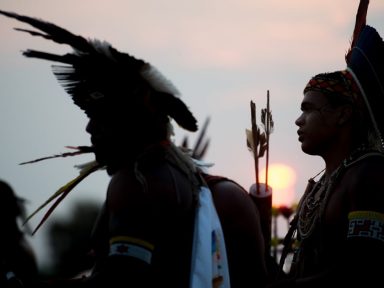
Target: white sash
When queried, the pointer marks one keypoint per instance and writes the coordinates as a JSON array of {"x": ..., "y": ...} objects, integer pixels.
[{"x": 209, "y": 267}]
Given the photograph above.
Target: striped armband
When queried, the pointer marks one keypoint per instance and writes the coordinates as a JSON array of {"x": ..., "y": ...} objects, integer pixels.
[
  {"x": 132, "y": 247},
  {"x": 366, "y": 224}
]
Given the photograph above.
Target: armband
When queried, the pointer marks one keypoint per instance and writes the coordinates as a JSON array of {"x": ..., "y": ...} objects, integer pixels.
[
  {"x": 366, "y": 224},
  {"x": 131, "y": 247},
  {"x": 9, "y": 275}
]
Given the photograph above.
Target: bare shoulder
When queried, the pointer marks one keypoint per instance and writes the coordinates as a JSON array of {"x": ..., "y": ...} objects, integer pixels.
[
  {"x": 230, "y": 192},
  {"x": 122, "y": 187},
  {"x": 365, "y": 180},
  {"x": 233, "y": 201},
  {"x": 244, "y": 239},
  {"x": 161, "y": 182}
]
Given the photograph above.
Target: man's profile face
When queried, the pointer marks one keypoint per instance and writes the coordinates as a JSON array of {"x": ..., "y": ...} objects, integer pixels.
[
  {"x": 317, "y": 123},
  {"x": 105, "y": 137}
]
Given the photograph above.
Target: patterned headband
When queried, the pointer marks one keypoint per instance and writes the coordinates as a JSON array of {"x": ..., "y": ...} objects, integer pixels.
[{"x": 336, "y": 83}]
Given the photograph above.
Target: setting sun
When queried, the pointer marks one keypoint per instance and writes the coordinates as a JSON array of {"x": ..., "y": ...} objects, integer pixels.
[{"x": 282, "y": 179}]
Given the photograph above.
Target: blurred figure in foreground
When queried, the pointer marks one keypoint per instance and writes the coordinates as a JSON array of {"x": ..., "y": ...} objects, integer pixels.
[{"x": 18, "y": 263}]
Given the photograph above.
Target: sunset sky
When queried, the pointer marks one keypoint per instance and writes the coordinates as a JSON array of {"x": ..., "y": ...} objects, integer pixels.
[{"x": 219, "y": 54}]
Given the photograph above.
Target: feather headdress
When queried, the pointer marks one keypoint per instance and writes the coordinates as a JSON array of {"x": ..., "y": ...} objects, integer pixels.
[
  {"x": 97, "y": 76},
  {"x": 365, "y": 61}
]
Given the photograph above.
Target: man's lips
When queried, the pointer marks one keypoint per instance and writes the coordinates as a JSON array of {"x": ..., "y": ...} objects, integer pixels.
[{"x": 300, "y": 134}]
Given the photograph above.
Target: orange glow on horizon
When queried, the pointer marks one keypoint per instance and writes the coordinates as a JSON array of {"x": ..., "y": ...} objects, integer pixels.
[{"x": 282, "y": 180}]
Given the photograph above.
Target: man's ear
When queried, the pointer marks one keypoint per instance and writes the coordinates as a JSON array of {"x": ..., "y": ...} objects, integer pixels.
[{"x": 345, "y": 115}]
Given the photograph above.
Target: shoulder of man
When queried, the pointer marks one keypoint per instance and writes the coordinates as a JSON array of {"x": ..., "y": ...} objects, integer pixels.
[{"x": 366, "y": 182}]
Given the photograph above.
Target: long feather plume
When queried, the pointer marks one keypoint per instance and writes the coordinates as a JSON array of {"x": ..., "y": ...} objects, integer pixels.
[
  {"x": 360, "y": 22},
  {"x": 62, "y": 192},
  {"x": 54, "y": 32},
  {"x": 79, "y": 150}
]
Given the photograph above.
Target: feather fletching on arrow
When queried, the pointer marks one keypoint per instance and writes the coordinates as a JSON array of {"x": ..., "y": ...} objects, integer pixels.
[
  {"x": 262, "y": 143},
  {"x": 63, "y": 192}
]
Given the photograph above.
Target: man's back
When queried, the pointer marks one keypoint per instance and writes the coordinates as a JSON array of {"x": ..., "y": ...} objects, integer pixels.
[{"x": 242, "y": 231}]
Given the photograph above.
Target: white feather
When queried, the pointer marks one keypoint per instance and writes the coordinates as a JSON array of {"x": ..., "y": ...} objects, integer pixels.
[{"x": 158, "y": 81}]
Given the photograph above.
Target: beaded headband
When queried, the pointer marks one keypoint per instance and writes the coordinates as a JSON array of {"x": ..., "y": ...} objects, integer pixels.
[{"x": 340, "y": 83}]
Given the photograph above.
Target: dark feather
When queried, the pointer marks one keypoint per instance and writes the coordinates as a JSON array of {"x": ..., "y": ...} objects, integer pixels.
[
  {"x": 201, "y": 145},
  {"x": 367, "y": 63},
  {"x": 98, "y": 73},
  {"x": 184, "y": 143},
  {"x": 53, "y": 31},
  {"x": 176, "y": 109},
  {"x": 360, "y": 22},
  {"x": 79, "y": 150},
  {"x": 366, "y": 60},
  {"x": 67, "y": 58},
  {"x": 200, "y": 153}
]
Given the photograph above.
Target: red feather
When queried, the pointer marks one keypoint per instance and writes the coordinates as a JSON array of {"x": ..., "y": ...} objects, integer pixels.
[{"x": 361, "y": 20}]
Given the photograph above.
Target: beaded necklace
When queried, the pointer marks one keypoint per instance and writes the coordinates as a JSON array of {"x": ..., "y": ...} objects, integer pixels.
[{"x": 313, "y": 203}]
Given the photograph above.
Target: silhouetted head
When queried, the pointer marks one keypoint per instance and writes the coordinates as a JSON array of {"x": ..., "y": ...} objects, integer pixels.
[
  {"x": 361, "y": 85},
  {"x": 124, "y": 96},
  {"x": 340, "y": 89},
  {"x": 11, "y": 206}
]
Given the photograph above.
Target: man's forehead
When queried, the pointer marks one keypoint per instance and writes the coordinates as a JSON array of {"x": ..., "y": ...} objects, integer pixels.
[{"x": 314, "y": 97}]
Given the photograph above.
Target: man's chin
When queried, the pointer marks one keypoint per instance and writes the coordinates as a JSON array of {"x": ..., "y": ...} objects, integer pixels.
[
  {"x": 100, "y": 158},
  {"x": 306, "y": 149},
  {"x": 309, "y": 151}
]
